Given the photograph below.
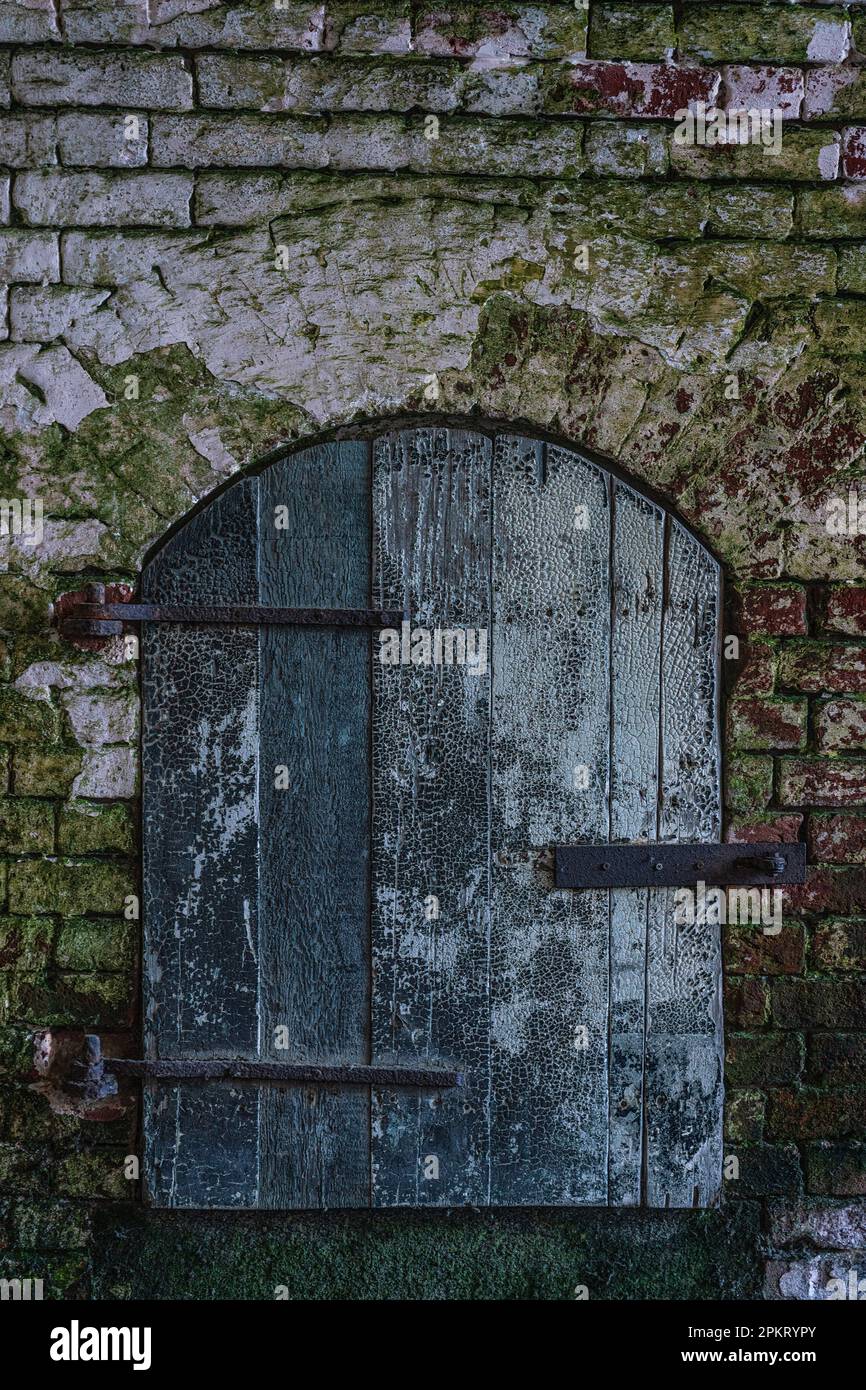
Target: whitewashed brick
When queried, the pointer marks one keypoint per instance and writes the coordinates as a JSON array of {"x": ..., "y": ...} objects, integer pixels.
[
  {"x": 763, "y": 88},
  {"x": 44, "y": 77},
  {"x": 29, "y": 257},
  {"x": 28, "y": 21},
  {"x": 28, "y": 141},
  {"x": 97, "y": 139},
  {"x": 103, "y": 200},
  {"x": 41, "y": 314}
]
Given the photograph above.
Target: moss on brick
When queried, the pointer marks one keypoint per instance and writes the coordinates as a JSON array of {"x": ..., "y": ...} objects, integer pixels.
[
  {"x": 632, "y": 31},
  {"x": 46, "y": 771},
  {"x": 26, "y": 827},
  {"x": 23, "y": 720},
  {"x": 25, "y": 942},
  {"x": 95, "y": 944},
  {"x": 87, "y": 828},
  {"x": 749, "y": 783},
  {"x": 69, "y": 887}
]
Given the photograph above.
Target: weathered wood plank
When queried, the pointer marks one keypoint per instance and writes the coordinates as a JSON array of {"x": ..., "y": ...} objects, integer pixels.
[
  {"x": 199, "y": 756},
  {"x": 549, "y": 767},
  {"x": 636, "y": 614},
  {"x": 314, "y": 891},
  {"x": 430, "y": 926},
  {"x": 684, "y": 1019}
]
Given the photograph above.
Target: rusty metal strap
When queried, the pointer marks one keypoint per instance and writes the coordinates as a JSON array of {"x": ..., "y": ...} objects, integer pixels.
[
  {"x": 281, "y": 1073},
  {"x": 108, "y": 619},
  {"x": 676, "y": 866}
]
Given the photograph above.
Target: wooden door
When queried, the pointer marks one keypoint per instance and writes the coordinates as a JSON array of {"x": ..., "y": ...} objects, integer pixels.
[{"x": 347, "y": 835}]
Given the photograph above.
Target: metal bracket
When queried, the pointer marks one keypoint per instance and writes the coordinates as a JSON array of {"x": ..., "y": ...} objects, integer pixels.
[
  {"x": 97, "y": 619},
  {"x": 676, "y": 866},
  {"x": 280, "y": 1073}
]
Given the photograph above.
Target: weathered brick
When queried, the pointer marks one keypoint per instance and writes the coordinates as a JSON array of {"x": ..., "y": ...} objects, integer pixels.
[
  {"x": 73, "y": 889},
  {"x": 750, "y": 951},
  {"x": 832, "y": 212},
  {"x": 839, "y": 945},
  {"x": 781, "y": 829},
  {"x": 5, "y": 205},
  {"x": 751, "y": 211},
  {"x": 817, "y": 1003},
  {"x": 29, "y": 257},
  {"x": 805, "y": 155},
  {"x": 61, "y": 999},
  {"x": 500, "y": 35},
  {"x": 628, "y": 89},
  {"x": 38, "y": 314},
  {"x": 300, "y": 27},
  {"x": 815, "y": 1279},
  {"x": 846, "y": 607},
  {"x": 766, "y": 1170},
  {"x": 119, "y": 199},
  {"x": 751, "y": 88},
  {"x": 841, "y": 326},
  {"x": 834, "y": 93},
  {"x": 625, "y": 150},
  {"x": 46, "y": 771},
  {"x": 26, "y": 826},
  {"x": 5, "y": 79},
  {"x": 836, "y": 1169},
  {"x": 773, "y": 610},
  {"x": 86, "y": 945},
  {"x": 107, "y": 773},
  {"x": 95, "y": 1173},
  {"x": 105, "y": 21},
  {"x": 816, "y": 667},
  {"x": 764, "y": 33},
  {"x": 27, "y": 140},
  {"x": 837, "y": 839},
  {"x": 747, "y": 1003},
  {"x": 829, "y": 890},
  {"x": 744, "y": 1114},
  {"x": 763, "y": 1059},
  {"x": 629, "y": 31},
  {"x": 382, "y": 28},
  {"x": 821, "y": 782},
  {"x": 26, "y": 721},
  {"x": 757, "y": 672},
  {"x": 813, "y": 1114},
  {"x": 749, "y": 783},
  {"x": 840, "y": 725},
  {"x": 25, "y": 942},
  {"x": 48, "y": 77},
  {"x": 836, "y": 1059},
  {"x": 386, "y": 143},
  {"x": 102, "y": 140},
  {"x": 50, "y": 1225},
  {"x": 822, "y": 1225},
  {"x": 34, "y": 21},
  {"x": 85, "y": 828},
  {"x": 766, "y": 722}
]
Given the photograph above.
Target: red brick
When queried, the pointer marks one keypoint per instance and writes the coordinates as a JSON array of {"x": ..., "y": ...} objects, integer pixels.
[
  {"x": 840, "y": 725},
  {"x": 837, "y": 839},
  {"x": 757, "y": 673},
  {"x": 629, "y": 89},
  {"x": 840, "y": 944},
  {"x": 836, "y": 1059},
  {"x": 836, "y": 1169},
  {"x": 819, "y": 1003},
  {"x": 826, "y": 890},
  {"x": 774, "y": 610},
  {"x": 854, "y": 153},
  {"x": 747, "y": 1003},
  {"x": 822, "y": 782},
  {"x": 769, "y": 829},
  {"x": 846, "y": 610},
  {"x": 763, "y": 1059},
  {"x": 813, "y": 667},
  {"x": 825, "y": 1225},
  {"x": 771, "y": 722},
  {"x": 812, "y": 1114},
  {"x": 779, "y": 89},
  {"x": 749, "y": 951}
]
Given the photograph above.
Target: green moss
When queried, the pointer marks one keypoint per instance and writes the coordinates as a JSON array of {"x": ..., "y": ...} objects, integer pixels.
[
  {"x": 46, "y": 771},
  {"x": 23, "y": 720},
  {"x": 94, "y": 945},
  {"x": 749, "y": 783},
  {"x": 85, "y": 828},
  {"x": 25, "y": 942},
  {"x": 436, "y": 1255},
  {"x": 70, "y": 888}
]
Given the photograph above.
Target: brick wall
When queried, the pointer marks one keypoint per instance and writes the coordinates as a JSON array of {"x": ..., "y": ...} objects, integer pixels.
[{"x": 225, "y": 228}]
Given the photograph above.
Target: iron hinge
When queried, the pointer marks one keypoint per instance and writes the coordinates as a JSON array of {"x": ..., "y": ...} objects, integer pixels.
[{"x": 678, "y": 866}]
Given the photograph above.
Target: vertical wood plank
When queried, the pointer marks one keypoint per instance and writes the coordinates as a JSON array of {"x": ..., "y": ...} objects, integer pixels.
[
  {"x": 549, "y": 758},
  {"x": 431, "y": 821},
  {"x": 684, "y": 1018},
  {"x": 314, "y": 550},
  {"x": 200, "y": 768},
  {"x": 636, "y": 614}
]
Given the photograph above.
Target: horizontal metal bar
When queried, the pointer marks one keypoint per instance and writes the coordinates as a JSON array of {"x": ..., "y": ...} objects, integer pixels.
[
  {"x": 677, "y": 866},
  {"x": 86, "y": 619},
  {"x": 185, "y": 1069}
]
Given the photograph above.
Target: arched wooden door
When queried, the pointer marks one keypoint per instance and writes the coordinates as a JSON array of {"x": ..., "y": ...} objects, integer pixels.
[{"x": 346, "y": 833}]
